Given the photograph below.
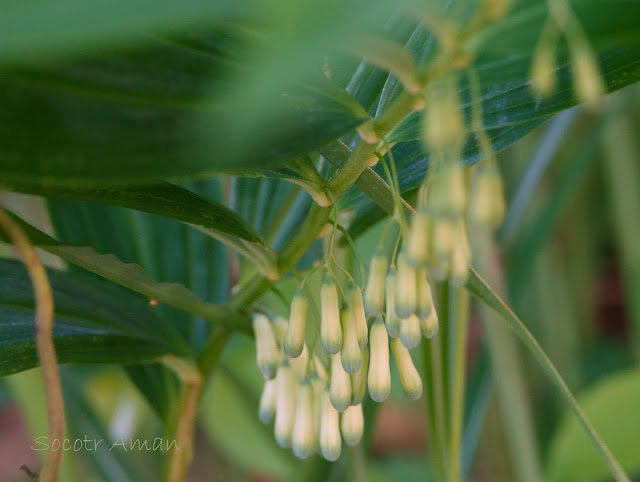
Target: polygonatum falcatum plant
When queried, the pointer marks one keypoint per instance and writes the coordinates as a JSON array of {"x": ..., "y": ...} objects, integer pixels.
[{"x": 301, "y": 194}]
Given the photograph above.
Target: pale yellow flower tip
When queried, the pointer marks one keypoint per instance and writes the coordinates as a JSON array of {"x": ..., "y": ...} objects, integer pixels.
[
  {"x": 356, "y": 303},
  {"x": 286, "y": 387},
  {"x": 330, "y": 440},
  {"x": 294, "y": 337},
  {"x": 352, "y": 425},
  {"x": 379, "y": 377},
  {"x": 267, "y": 408},
  {"x": 587, "y": 79},
  {"x": 391, "y": 321},
  {"x": 340, "y": 384},
  {"x": 460, "y": 258},
  {"x": 409, "y": 376},
  {"x": 304, "y": 436},
  {"x": 330, "y": 331},
  {"x": 543, "y": 70},
  {"x": 444, "y": 236},
  {"x": 359, "y": 379},
  {"x": 406, "y": 288},
  {"x": 267, "y": 353},
  {"x": 350, "y": 353},
  {"x": 425, "y": 300},
  {"x": 429, "y": 325},
  {"x": 410, "y": 334},
  {"x": 374, "y": 293},
  {"x": 418, "y": 240}
]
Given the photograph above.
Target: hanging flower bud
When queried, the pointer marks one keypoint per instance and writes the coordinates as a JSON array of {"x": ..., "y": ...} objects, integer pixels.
[
  {"x": 456, "y": 188},
  {"x": 379, "y": 377},
  {"x": 267, "y": 353},
  {"x": 487, "y": 206},
  {"x": 330, "y": 331},
  {"x": 460, "y": 257},
  {"x": 429, "y": 325},
  {"x": 356, "y": 303},
  {"x": 543, "y": 70},
  {"x": 294, "y": 337},
  {"x": 391, "y": 320},
  {"x": 443, "y": 237},
  {"x": 409, "y": 376},
  {"x": 406, "y": 287},
  {"x": 304, "y": 436},
  {"x": 318, "y": 384},
  {"x": 359, "y": 379},
  {"x": 410, "y": 335},
  {"x": 374, "y": 294},
  {"x": 418, "y": 240},
  {"x": 352, "y": 425},
  {"x": 299, "y": 364},
  {"x": 443, "y": 122},
  {"x": 280, "y": 324},
  {"x": 340, "y": 384},
  {"x": 267, "y": 408},
  {"x": 330, "y": 441},
  {"x": 587, "y": 79},
  {"x": 425, "y": 300},
  {"x": 286, "y": 386},
  {"x": 350, "y": 353}
]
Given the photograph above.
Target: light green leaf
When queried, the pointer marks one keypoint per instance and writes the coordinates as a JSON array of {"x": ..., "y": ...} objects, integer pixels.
[{"x": 612, "y": 406}]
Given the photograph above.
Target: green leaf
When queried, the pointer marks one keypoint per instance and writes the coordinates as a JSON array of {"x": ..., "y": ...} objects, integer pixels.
[
  {"x": 95, "y": 322},
  {"x": 483, "y": 292},
  {"x": 612, "y": 406},
  {"x": 164, "y": 199},
  {"x": 160, "y": 109},
  {"x": 132, "y": 276}
]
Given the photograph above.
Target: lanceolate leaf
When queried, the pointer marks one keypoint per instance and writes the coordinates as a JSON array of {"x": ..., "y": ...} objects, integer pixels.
[
  {"x": 163, "y": 198},
  {"x": 95, "y": 322},
  {"x": 132, "y": 276}
]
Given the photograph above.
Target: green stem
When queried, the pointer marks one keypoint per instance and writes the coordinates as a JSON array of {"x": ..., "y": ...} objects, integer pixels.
[
  {"x": 436, "y": 443},
  {"x": 458, "y": 316}
]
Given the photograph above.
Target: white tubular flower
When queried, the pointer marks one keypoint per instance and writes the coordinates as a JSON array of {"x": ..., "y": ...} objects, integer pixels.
[
  {"x": 392, "y": 322},
  {"x": 350, "y": 353},
  {"x": 318, "y": 384},
  {"x": 456, "y": 188},
  {"x": 352, "y": 425},
  {"x": 425, "y": 300},
  {"x": 410, "y": 335},
  {"x": 267, "y": 409},
  {"x": 267, "y": 353},
  {"x": 330, "y": 441},
  {"x": 406, "y": 288},
  {"x": 587, "y": 78},
  {"x": 286, "y": 387},
  {"x": 299, "y": 364},
  {"x": 429, "y": 325},
  {"x": 356, "y": 303},
  {"x": 359, "y": 379},
  {"x": 418, "y": 240},
  {"x": 280, "y": 324},
  {"x": 443, "y": 237},
  {"x": 294, "y": 338},
  {"x": 409, "y": 376},
  {"x": 443, "y": 122},
  {"x": 340, "y": 384},
  {"x": 374, "y": 294},
  {"x": 460, "y": 257},
  {"x": 379, "y": 377},
  {"x": 304, "y": 436},
  {"x": 330, "y": 331}
]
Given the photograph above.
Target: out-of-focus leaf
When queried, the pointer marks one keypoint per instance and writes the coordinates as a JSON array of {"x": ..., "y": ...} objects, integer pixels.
[
  {"x": 146, "y": 113},
  {"x": 95, "y": 322},
  {"x": 612, "y": 406},
  {"x": 132, "y": 276},
  {"x": 483, "y": 292}
]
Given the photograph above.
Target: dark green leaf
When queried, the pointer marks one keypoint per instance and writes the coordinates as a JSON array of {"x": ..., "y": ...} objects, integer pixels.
[{"x": 95, "y": 322}]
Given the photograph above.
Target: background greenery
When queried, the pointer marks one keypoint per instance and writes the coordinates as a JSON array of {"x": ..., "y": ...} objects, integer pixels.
[{"x": 158, "y": 138}]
